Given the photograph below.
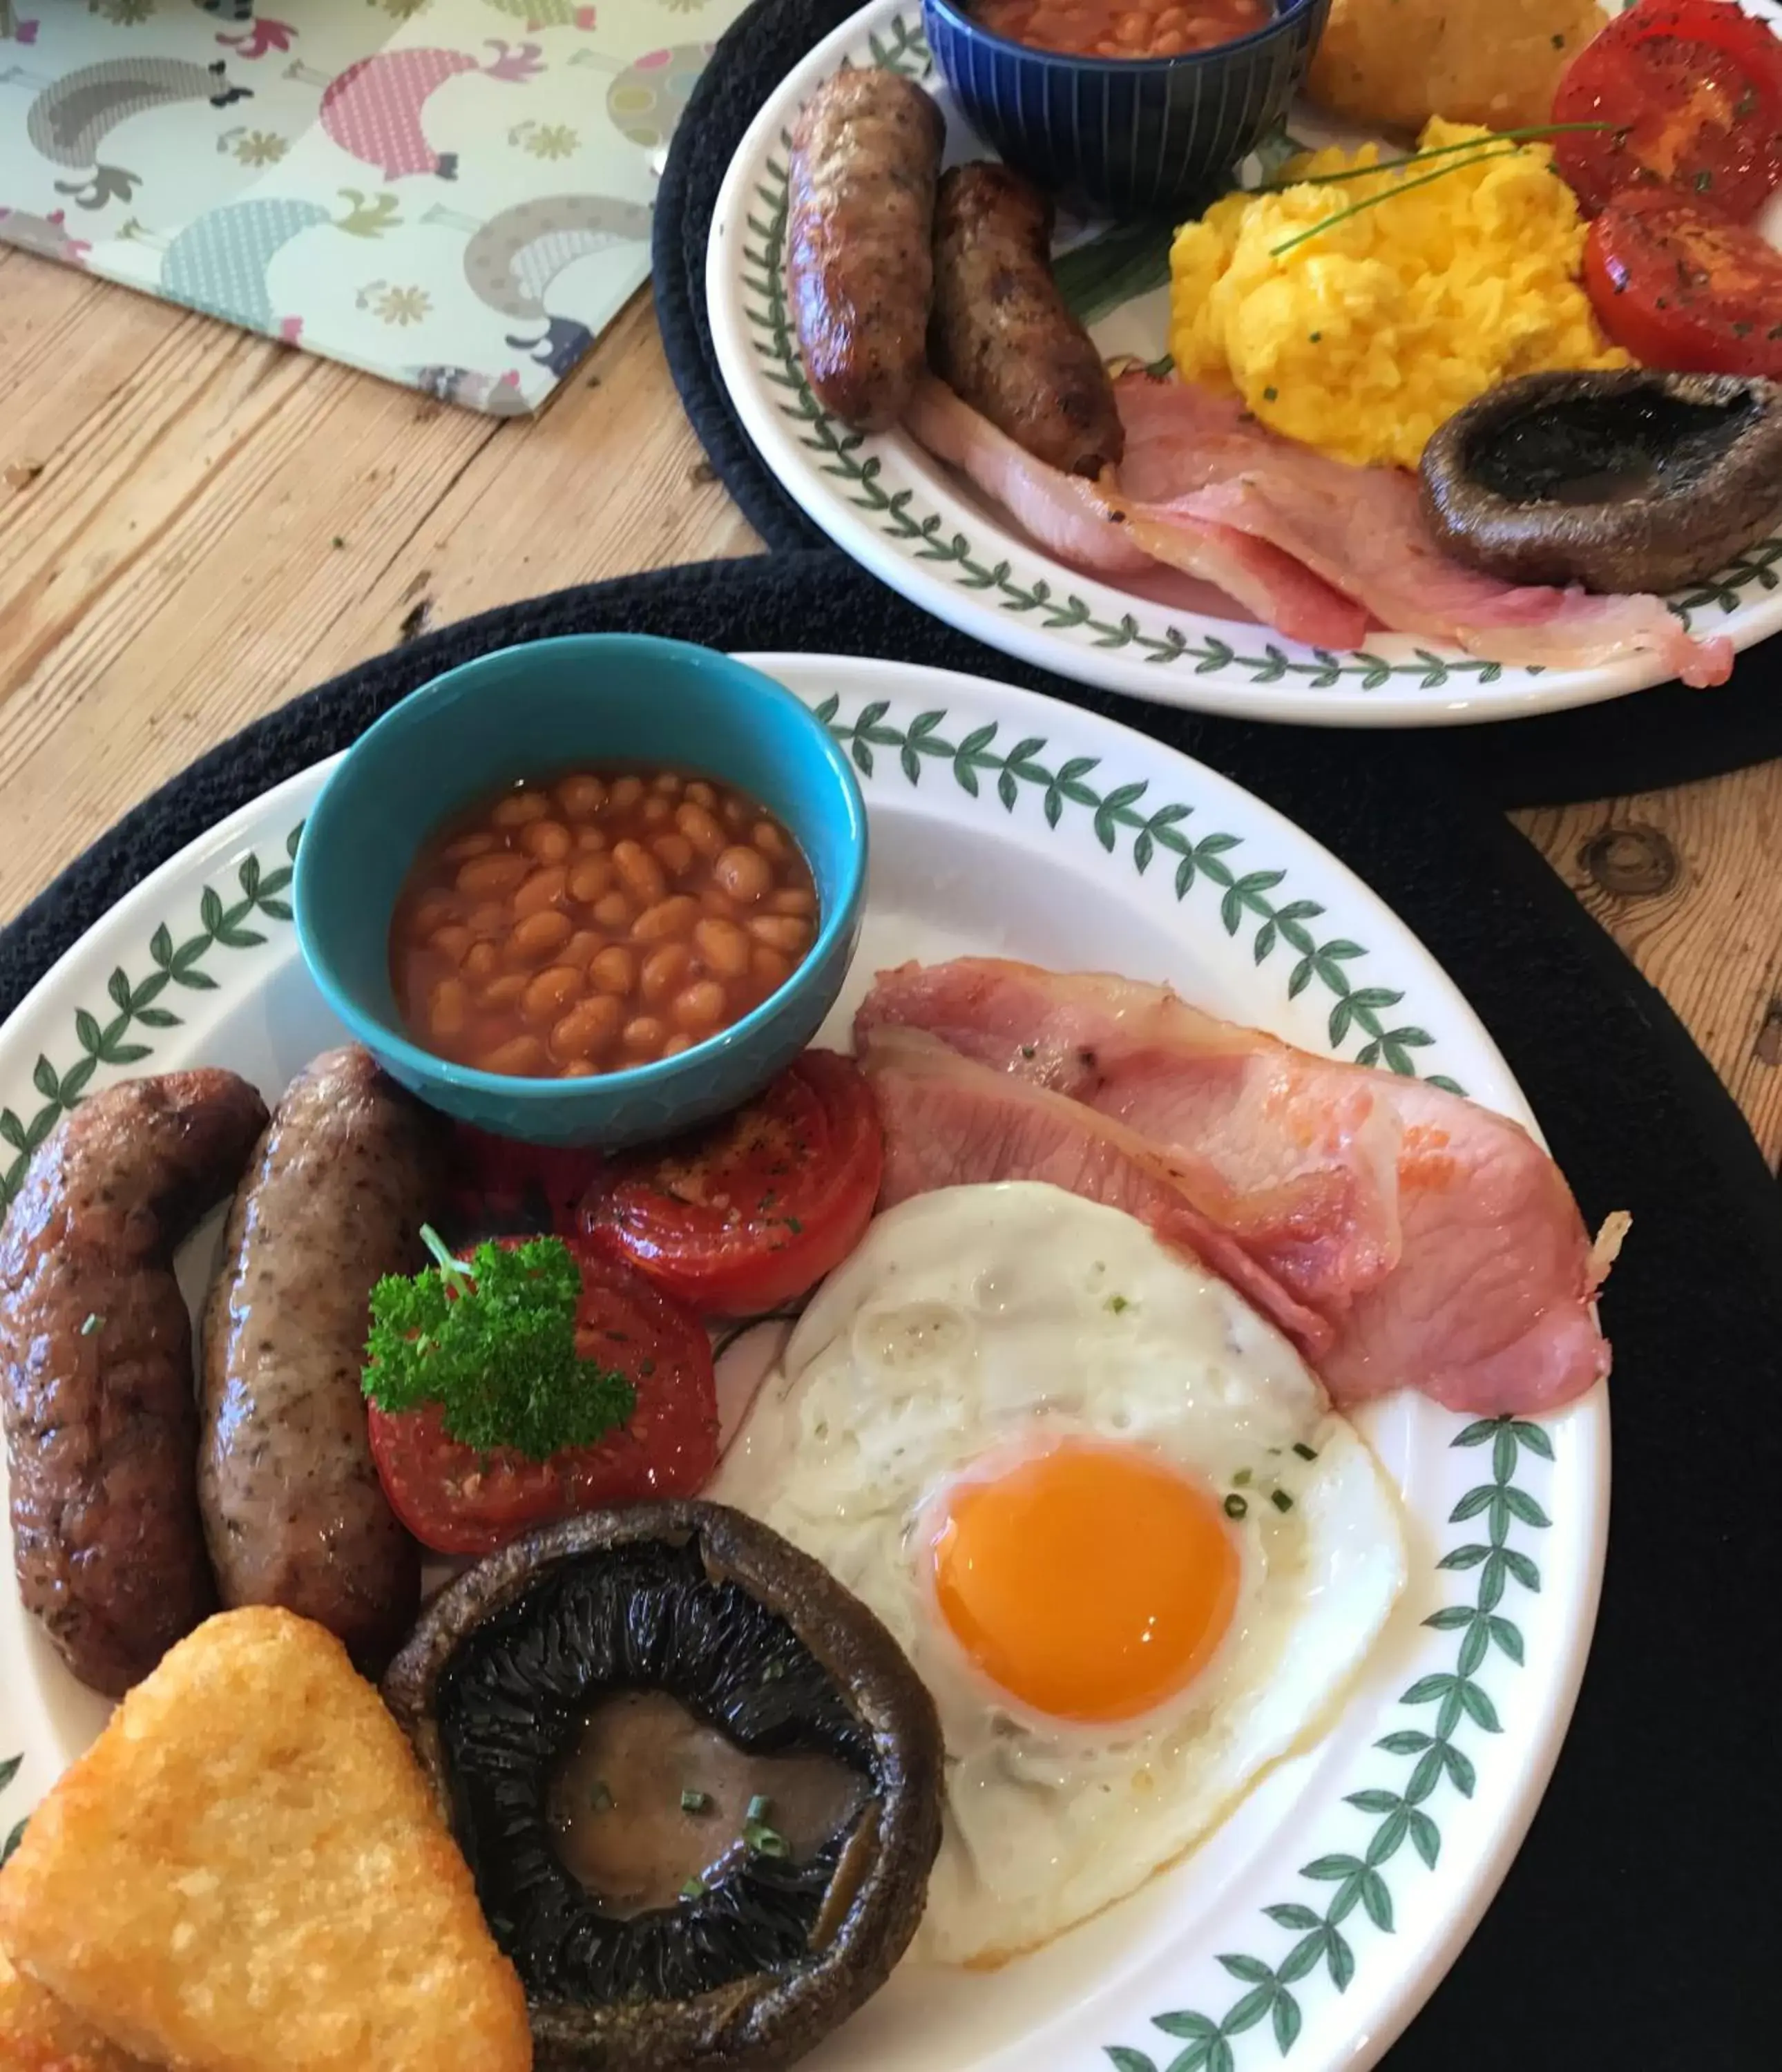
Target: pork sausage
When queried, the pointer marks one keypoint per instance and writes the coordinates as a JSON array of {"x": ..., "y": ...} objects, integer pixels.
[
  {"x": 1003, "y": 337},
  {"x": 293, "y": 1509},
  {"x": 96, "y": 1364},
  {"x": 865, "y": 154}
]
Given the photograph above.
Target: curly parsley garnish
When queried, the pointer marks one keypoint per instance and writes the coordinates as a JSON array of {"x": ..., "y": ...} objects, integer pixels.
[{"x": 493, "y": 1342}]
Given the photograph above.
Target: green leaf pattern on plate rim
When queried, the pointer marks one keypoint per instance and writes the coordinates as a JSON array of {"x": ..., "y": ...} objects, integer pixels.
[
  {"x": 1445, "y": 1710},
  {"x": 901, "y": 47}
]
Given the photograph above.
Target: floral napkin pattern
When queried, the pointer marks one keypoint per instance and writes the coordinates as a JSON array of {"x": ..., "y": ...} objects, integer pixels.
[{"x": 452, "y": 194}]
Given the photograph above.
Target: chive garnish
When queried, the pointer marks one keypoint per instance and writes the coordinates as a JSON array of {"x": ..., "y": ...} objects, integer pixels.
[
  {"x": 94, "y": 1322},
  {"x": 759, "y": 1807},
  {"x": 1281, "y": 1500},
  {"x": 1235, "y": 1507},
  {"x": 694, "y": 1888},
  {"x": 1117, "y": 1303},
  {"x": 773, "y": 1672},
  {"x": 600, "y": 1798},
  {"x": 1306, "y": 1452},
  {"x": 764, "y": 1840},
  {"x": 694, "y": 1802},
  {"x": 1242, "y": 1478},
  {"x": 1538, "y": 135}
]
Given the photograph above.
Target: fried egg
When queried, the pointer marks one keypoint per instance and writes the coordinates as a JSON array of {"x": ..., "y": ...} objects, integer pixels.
[{"x": 1108, "y": 1515}]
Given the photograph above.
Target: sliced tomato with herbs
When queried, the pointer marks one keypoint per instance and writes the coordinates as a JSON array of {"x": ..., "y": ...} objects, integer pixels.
[
  {"x": 751, "y": 1213},
  {"x": 458, "y": 1499},
  {"x": 1684, "y": 289},
  {"x": 1692, "y": 91}
]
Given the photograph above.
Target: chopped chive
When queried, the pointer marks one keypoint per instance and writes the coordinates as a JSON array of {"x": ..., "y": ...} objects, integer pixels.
[
  {"x": 1117, "y": 1303},
  {"x": 795, "y": 1226},
  {"x": 1704, "y": 180},
  {"x": 758, "y": 1806},
  {"x": 1281, "y": 1500},
  {"x": 773, "y": 1672},
  {"x": 1026, "y": 1050},
  {"x": 1313, "y": 337},
  {"x": 1235, "y": 1507},
  {"x": 1538, "y": 135},
  {"x": 599, "y": 1799},
  {"x": 1270, "y": 394},
  {"x": 694, "y": 1802},
  {"x": 94, "y": 1322},
  {"x": 1306, "y": 1452},
  {"x": 1242, "y": 1478},
  {"x": 764, "y": 1840},
  {"x": 694, "y": 1888},
  {"x": 1274, "y": 1449}
]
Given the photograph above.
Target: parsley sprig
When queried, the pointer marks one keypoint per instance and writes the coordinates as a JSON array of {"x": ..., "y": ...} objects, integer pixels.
[{"x": 493, "y": 1342}]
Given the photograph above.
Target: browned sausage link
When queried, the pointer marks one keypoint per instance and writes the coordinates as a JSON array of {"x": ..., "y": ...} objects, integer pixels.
[
  {"x": 1003, "y": 337},
  {"x": 95, "y": 1362},
  {"x": 294, "y": 1510},
  {"x": 865, "y": 152}
]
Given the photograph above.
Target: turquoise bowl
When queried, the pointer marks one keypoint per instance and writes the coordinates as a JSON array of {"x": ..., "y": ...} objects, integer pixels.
[
  {"x": 1128, "y": 136},
  {"x": 530, "y": 712}
]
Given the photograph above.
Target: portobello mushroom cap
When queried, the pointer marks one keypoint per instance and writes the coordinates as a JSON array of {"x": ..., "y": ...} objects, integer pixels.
[
  {"x": 752, "y": 1638},
  {"x": 1622, "y": 480}
]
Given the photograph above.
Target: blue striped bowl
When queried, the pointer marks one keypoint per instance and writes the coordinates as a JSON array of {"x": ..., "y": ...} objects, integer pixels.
[{"x": 1141, "y": 136}]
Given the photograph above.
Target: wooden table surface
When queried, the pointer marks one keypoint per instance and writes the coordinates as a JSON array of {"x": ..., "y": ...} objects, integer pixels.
[{"x": 195, "y": 525}]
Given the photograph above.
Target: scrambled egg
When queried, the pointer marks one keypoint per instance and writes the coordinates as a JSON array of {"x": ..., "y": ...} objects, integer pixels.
[{"x": 1363, "y": 340}]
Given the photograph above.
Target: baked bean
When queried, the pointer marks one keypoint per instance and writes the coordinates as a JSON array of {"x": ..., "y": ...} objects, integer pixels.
[
  {"x": 581, "y": 797},
  {"x": 744, "y": 874},
  {"x": 781, "y": 932},
  {"x": 550, "y": 840},
  {"x": 698, "y": 827},
  {"x": 597, "y": 921},
  {"x": 614, "y": 970},
  {"x": 723, "y": 947},
  {"x": 502, "y": 992},
  {"x": 668, "y": 917},
  {"x": 449, "y": 1008},
  {"x": 589, "y": 878},
  {"x": 1122, "y": 28},
  {"x": 770, "y": 970},
  {"x": 516, "y": 808},
  {"x": 588, "y": 1027},
  {"x": 522, "y": 1056},
  {"x": 483, "y": 875},
  {"x": 673, "y": 852},
  {"x": 543, "y": 889},
  {"x": 551, "y": 992},
  {"x": 663, "y": 971},
  {"x": 539, "y": 936},
  {"x": 699, "y": 1008},
  {"x": 639, "y": 872}
]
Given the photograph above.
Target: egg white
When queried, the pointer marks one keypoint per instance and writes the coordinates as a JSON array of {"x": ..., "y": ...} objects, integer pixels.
[{"x": 977, "y": 1325}]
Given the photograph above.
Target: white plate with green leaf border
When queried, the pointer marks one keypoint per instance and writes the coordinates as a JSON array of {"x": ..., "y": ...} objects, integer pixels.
[
  {"x": 1319, "y": 1917},
  {"x": 931, "y": 537}
]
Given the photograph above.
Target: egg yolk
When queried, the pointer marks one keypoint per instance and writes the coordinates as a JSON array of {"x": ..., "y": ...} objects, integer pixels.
[{"x": 1091, "y": 1582}]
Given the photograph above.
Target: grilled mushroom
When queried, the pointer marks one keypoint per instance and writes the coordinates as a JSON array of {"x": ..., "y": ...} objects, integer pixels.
[
  {"x": 697, "y": 1780},
  {"x": 1622, "y": 481}
]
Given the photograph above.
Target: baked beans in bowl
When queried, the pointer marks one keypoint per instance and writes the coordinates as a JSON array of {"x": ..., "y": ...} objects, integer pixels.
[{"x": 588, "y": 890}]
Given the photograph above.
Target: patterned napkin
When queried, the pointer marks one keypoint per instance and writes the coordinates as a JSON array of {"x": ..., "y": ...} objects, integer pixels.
[{"x": 454, "y": 195}]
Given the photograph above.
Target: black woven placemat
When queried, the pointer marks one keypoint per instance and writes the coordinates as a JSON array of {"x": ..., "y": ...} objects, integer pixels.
[
  {"x": 1669, "y": 735},
  {"x": 1637, "y": 1926}
]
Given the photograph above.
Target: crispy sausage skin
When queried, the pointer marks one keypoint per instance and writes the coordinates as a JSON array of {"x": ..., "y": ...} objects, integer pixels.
[
  {"x": 865, "y": 154},
  {"x": 97, "y": 1369},
  {"x": 294, "y": 1511},
  {"x": 1003, "y": 337}
]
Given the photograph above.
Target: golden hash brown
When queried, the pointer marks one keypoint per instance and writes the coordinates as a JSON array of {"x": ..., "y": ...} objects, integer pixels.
[
  {"x": 1393, "y": 63},
  {"x": 38, "y": 2034},
  {"x": 246, "y": 1870}
]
